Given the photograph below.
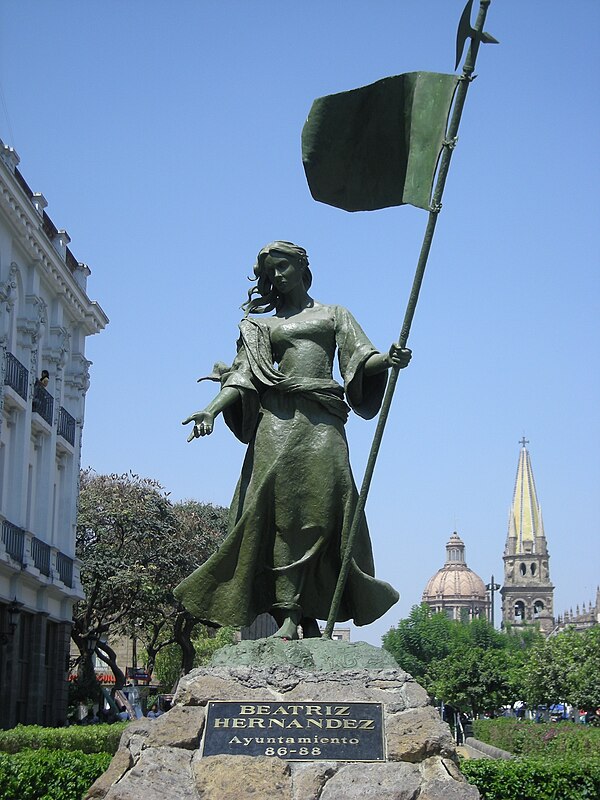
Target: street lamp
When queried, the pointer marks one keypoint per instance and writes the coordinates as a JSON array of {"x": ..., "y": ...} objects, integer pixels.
[
  {"x": 90, "y": 643},
  {"x": 491, "y": 588},
  {"x": 87, "y": 671},
  {"x": 13, "y": 610}
]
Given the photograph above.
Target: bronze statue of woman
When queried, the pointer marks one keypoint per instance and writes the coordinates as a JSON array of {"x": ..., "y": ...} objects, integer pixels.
[{"x": 296, "y": 494}]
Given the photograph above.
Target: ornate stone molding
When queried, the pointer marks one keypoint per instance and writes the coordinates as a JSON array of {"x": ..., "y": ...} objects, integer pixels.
[
  {"x": 8, "y": 289},
  {"x": 77, "y": 375},
  {"x": 10, "y": 156},
  {"x": 35, "y": 242},
  {"x": 59, "y": 347}
]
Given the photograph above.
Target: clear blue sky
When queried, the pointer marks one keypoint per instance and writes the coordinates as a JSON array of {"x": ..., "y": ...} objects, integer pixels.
[{"x": 166, "y": 137}]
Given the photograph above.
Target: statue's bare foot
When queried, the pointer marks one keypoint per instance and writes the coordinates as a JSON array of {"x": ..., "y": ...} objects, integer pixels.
[{"x": 289, "y": 630}]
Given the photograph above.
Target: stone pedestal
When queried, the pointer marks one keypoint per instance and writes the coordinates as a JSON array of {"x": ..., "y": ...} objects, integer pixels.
[{"x": 160, "y": 759}]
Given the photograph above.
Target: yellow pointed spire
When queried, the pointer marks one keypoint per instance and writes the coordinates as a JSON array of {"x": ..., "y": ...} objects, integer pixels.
[{"x": 525, "y": 521}]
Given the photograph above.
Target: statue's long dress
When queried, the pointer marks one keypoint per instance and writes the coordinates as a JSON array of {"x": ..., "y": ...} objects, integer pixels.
[{"x": 296, "y": 493}]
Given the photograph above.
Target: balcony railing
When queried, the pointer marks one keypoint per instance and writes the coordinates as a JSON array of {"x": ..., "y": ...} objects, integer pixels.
[
  {"x": 14, "y": 540},
  {"x": 16, "y": 375},
  {"x": 66, "y": 426},
  {"x": 64, "y": 565},
  {"x": 43, "y": 402},
  {"x": 40, "y": 552}
]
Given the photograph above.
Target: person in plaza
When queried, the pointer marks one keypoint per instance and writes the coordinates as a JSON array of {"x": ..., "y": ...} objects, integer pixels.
[
  {"x": 154, "y": 712},
  {"x": 296, "y": 494},
  {"x": 91, "y": 718}
]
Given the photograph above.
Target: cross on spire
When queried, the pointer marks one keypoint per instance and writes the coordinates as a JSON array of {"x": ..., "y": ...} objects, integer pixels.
[{"x": 523, "y": 441}]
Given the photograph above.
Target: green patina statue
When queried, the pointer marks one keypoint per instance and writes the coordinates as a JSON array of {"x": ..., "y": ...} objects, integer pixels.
[{"x": 296, "y": 496}]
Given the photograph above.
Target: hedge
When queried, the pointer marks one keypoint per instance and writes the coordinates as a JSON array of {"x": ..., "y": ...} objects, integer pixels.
[
  {"x": 87, "y": 738},
  {"x": 554, "y": 739},
  {"x": 49, "y": 774},
  {"x": 555, "y": 761},
  {"x": 535, "y": 779}
]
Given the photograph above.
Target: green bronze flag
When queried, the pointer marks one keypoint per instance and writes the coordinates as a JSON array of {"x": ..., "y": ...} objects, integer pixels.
[{"x": 379, "y": 145}]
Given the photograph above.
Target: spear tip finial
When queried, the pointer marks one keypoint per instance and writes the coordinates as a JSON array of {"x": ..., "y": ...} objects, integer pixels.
[{"x": 466, "y": 31}]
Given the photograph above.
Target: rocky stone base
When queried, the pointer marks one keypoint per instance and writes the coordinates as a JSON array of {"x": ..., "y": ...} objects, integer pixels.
[{"x": 160, "y": 759}]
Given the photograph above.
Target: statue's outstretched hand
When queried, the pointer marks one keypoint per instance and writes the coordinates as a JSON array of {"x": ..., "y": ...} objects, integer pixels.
[
  {"x": 204, "y": 422},
  {"x": 399, "y": 356}
]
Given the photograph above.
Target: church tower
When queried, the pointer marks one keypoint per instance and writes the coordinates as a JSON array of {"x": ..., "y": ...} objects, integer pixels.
[{"x": 527, "y": 594}]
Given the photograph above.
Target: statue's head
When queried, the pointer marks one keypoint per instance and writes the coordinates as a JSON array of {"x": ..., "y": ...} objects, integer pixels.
[{"x": 264, "y": 297}]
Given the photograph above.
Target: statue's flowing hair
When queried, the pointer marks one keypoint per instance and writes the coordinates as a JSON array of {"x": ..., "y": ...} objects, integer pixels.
[{"x": 264, "y": 297}]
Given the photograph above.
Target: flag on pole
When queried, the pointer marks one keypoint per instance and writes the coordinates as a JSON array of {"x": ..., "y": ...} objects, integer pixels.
[{"x": 379, "y": 145}]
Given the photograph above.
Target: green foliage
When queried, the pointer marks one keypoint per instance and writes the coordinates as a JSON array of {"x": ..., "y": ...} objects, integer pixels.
[
  {"x": 534, "y": 779},
  {"x": 204, "y": 526},
  {"x": 168, "y": 664},
  {"x": 564, "y": 668},
  {"x": 555, "y": 761},
  {"x": 49, "y": 774},
  {"x": 126, "y": 530},
  {"x": 469, "y": 665},
  {"x": 522, "y": 638},
  {"x": 420, "y": 639},
  {"x": 206, "y": 644},
  {"x": 476, "y": 668},
  {"x": 553, "y": 740},
  {"x": 136, "y": 546},
  {"x": 473, "y": 679},
  {"x": 86, "y": 738}
]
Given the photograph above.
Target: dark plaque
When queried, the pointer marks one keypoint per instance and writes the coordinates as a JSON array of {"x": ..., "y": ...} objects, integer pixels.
[{"x": 296, "y": 731}]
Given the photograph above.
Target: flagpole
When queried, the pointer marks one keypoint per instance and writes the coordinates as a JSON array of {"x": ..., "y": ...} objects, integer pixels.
[{"x": 477, "y": 36}]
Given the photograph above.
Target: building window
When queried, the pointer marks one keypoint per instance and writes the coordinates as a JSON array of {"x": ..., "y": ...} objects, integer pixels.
[
  {"x": 50, "y": 671},
  {"x": 532, "y": 568},
  {"x": 538, "y": 607},
  {"x": 519, "y": 611},
  {"x": 523, "y": 569},
  {"x": 21, "y": 684}
]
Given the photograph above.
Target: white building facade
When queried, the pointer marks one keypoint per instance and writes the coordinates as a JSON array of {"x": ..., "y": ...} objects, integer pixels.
[{"x": 45, "y": 317}]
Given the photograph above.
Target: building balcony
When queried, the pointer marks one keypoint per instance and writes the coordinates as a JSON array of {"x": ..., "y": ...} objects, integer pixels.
[
  {"x": 38, "y": 557},
  {"x": 64, "y": 567},
  {"x": 40, "y": 553},
  {"x": 16, "y": 375},
  {"x": 13, "y": 539},
  {"x": 43, "y": 403},
  {"x": 66, "y": 426}
]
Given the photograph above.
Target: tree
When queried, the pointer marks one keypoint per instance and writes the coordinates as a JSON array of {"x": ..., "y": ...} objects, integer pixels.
[
  {"x": 470, "y": 664},
  {"x": 125, "y": 531},
  {"x": 420, "y": 639},
  {"x": 135, "y": 547},
  {"x": 201, "y": 527},
  {"x": 474, "y": 679},
  {"x": 564, "y": 668},
  {"x": 206, "y": 642},
  {"x": 584, "y": 676}
]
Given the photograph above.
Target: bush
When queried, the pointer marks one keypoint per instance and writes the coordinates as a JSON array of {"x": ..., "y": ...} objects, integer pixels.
[
  {"x": 49, "y": 774},
  {"x": 86, "y": 738},
  {"x": 535, "y": 779},
  {"x": 556, "y": 761},
  {"x": 554, "y": 739}
]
